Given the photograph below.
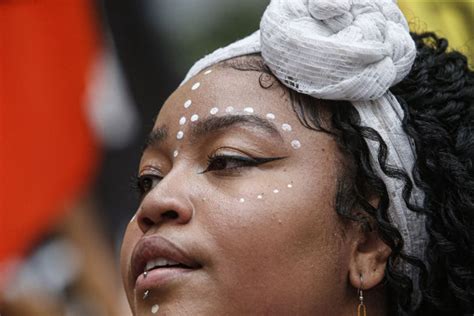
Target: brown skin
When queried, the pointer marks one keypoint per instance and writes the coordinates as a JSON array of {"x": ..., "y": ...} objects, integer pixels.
[{"x": 286, "y": 254}]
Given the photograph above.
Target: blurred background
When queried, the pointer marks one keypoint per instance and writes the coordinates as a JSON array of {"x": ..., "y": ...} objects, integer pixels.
[{"x": 80, "y": 84}]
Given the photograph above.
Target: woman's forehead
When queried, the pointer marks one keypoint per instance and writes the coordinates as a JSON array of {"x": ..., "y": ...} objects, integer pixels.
[
  {"x": 226, "y": 91},
  {"x": 226, "y": 101}
]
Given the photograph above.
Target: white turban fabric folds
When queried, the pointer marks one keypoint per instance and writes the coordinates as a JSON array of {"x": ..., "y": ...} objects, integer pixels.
[
  {"x": 351, "y": 50},
  {"x": 344, "y": 50}
]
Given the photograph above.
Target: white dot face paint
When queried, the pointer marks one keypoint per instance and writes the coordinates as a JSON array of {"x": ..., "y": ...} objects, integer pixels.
[
  {"x": 259, "y": 197},
  {"x": 286, "y": 127},
  {"x": 249, "y": 110},
  {"x": 180, "y": 135},
  {"x": 187, "y": 104},
  {"x": 276, "y": 191},
  {"x": 242, "y": 200},
  {"x": 229, "y": 109},
  {"x": 207, "y": 72},
  {"x": 154, "y": 309},
  {"x": 175, "y": 153},
  {"x": 290, "y": 186},
  {"x": 270, "y": 116},
  {"x": 214, "y": 111},
  {"x": 194, "y": 118},
  {"x": 295, "y": 144},
  {"x": 182, "y": 121},
  {"x": 196, "y": 86}
]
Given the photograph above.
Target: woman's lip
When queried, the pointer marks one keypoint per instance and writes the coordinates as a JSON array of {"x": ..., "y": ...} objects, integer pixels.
[
  {"x": 159, "y": 278},
  {"x": 153, "y": 247}
]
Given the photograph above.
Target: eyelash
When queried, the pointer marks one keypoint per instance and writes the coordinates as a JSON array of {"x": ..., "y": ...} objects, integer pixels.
[{"x": 221, "y": 162}]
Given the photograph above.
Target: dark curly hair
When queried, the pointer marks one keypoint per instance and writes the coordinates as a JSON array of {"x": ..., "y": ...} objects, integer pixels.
[{"x": 437, "y": 99}]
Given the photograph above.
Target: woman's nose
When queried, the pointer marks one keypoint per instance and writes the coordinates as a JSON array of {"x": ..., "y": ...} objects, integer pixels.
[{"x": 164, "y": 205}]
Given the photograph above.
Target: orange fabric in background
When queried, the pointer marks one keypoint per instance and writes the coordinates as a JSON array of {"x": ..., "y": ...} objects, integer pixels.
[{"x": 47, "y": 150}]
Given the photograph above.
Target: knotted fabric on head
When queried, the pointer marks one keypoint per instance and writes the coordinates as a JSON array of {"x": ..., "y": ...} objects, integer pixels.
[
  {"x": 351, "y": 50},
  {"x": 345, "y": 50}
]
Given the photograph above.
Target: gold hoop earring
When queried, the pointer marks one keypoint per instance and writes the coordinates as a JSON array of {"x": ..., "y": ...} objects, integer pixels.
[{"x": 361, "y": 309}]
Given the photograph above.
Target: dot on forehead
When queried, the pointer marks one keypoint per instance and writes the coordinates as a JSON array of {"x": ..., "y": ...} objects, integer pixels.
[
  {"x": 270, "y": 116},
  {"x": 249, "y": 110},
  {"x": 188, "y": 103},
  {"x": 195, "y": 86},
  {"x": 286, "y": 127}
]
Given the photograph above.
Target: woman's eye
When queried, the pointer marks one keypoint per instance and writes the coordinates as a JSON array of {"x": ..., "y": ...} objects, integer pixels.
[
  {"x": 228, "y": 162},
  {"x": 146, "y": 183}
]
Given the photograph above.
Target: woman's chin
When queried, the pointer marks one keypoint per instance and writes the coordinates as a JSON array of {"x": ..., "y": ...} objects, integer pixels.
[
  {"x": 182, "y": 304},
  {"x": 181, "y": 294}
]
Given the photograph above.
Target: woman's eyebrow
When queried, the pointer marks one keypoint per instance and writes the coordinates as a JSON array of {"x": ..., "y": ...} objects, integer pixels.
[
  {"x": 156, "y": 137},
  {"x": 213, "y": 124}
]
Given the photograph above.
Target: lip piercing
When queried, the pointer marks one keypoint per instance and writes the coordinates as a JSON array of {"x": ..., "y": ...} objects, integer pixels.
[{"x": 145, "y": 295}]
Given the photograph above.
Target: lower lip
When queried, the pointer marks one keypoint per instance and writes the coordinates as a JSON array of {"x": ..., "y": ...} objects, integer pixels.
[{"x": 160, "y": 277}]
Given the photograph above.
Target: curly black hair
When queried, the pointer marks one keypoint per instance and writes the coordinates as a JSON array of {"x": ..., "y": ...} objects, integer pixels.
[{"x": 437, "y": 99}]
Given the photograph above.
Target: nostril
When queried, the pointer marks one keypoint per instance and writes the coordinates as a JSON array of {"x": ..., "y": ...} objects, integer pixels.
[
  {"x": 147, "y": 222},
  {"x": 170, "y": 215}
]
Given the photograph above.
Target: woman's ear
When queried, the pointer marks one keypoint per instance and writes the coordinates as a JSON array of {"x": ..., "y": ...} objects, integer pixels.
[{"x": 368, "y": 261}]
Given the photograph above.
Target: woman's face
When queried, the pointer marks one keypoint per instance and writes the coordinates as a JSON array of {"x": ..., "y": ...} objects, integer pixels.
[{"x": 237, "y": 213}]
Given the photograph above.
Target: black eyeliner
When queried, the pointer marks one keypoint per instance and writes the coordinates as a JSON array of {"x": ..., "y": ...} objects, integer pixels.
[{"x": 251, "y": 161}]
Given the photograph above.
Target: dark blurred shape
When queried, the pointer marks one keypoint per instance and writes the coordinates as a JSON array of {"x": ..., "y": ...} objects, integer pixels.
[{"x": 148, "y": 77}]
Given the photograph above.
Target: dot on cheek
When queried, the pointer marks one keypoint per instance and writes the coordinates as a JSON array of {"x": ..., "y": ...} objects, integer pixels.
[
  {"x": 180, "y": 135},
  {"x": 195, "y": 86},
  {"x": 194, "y": 118},
  {"x": 296, "y": 144}
]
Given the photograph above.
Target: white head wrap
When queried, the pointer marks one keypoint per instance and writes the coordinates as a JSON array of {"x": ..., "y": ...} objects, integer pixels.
[{"x": 351, "y": 50}]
